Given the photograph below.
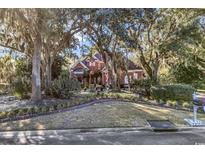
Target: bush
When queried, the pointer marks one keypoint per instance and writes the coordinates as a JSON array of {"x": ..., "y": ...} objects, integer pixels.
[
  {"x": 172, "y": 103},
  {"x": 21, "y": 85},
  {"x": 51, "y": 108},
  {"x": 55, "y": 106},
  {"x": 43, "y": 109},
  {"x": 118, "y": 95},
  {"x": 4, "y": 88},
  {"x": 23, "y": 111},
  {"x": 187, "y": 74},
  {"x": 22, "y": 81},
  {"x": 64, "y": 86},
  {"x": 186, "y": 105},
  {"x": 175, "y": 92},
  {"x": 33, "y": 110},
  {"x": 2, "y": 113},
  {"x": 60, "y": 106},
  {"x": 143, "y": 86}
]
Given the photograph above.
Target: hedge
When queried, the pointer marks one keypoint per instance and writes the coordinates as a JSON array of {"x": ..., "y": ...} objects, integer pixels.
[{"x": 175, "y": 92}]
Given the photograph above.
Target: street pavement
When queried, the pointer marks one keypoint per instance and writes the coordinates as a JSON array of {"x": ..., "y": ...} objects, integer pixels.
[{"x": 105, "y": 136}]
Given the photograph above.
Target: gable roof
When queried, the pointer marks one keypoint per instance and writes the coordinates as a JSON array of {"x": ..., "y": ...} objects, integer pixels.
[
  {"x": 132, "y": 65},
  {"x": 81, "y": 64},
  {"x": 97, "y": 56}
]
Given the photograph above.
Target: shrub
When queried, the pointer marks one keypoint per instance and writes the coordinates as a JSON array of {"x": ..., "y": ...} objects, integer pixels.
[
  {"x": 23, "y": 111},
  {"x": 22, "y": 81},
  {"x": 186, "y": 105},
  {"x": 33, "y": 110},
  {"x": 21, "y": 85},
  {"x": 175, "y": 92},
  {"x": 16, "y": 111},
  {"x": 187, "y": 73},
  {"x": 10, "y": 114},
  {"x": 65, "y": 105},
  {"x": 2, "y": 113},
  {"x": 64, "y": 86},
  {"x": 172, "y": 103},
  {"x": 143, "y": 85},
  {"x": 4, "y": 88},
  {"x": 60, "y": 106},
  {"x": 51, "y": 108},
  {"x": 55, "y": 106},
  {"x": 43, "y": 109}
]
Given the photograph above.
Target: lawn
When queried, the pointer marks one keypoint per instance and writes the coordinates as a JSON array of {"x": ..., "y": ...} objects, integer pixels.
[{"x": 107, "y": 114}]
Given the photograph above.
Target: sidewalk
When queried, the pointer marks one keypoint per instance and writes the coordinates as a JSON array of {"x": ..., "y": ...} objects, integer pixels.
[{"x": 105, "y": 136}]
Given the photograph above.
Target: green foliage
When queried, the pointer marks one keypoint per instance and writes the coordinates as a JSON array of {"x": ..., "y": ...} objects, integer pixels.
[
  {"x": 4, "y": 88},
  {"x": 64, "y": 86},
  {"x": 186, "y": 105},
  {"x": 57, "y": 66},
  {"x": 23, "y": 111},
  {"x": 172, "y": 103},
  {"x": 22, "y": 81},
  {"x": 7, "y": 67},
  {"x": 199, "y": 84},
  {"x": 175, "y": 92},
  {"x": 22, "y": 85},
  {"x": 143, "y": 86},
  {"x": 188, "y": 74},
  {"x": 120, "y": 95}
]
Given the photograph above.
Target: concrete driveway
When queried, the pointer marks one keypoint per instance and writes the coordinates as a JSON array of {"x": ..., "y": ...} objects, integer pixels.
[{"x": 105, "y": 136}]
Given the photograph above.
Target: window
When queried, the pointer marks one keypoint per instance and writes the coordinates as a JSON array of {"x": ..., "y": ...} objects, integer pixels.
[
  {"x": 92, "y": 64},
  {"x": 135, "y": 75}
]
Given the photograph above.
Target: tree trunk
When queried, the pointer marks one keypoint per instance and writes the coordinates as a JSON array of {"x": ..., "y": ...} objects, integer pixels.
[
  {"x": 155, "y": 69},
  {"x": 48, "y": 76},
  {"x": 115, "y": 76},
  {"x": 126, "y": 73},
  {"x": 36, "y": 63},
  {"x": 114, "y": 79}
]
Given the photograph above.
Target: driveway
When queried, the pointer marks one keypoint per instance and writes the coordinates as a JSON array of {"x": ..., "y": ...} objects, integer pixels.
[{"x": 117, "y": 136}]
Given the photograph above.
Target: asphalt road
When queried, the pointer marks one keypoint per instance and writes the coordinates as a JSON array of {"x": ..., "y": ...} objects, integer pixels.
[{"x": 104, "y": 136}]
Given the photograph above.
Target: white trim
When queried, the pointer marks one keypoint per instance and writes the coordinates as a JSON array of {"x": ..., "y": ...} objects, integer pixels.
[
  {"x": 104, "y": 69},
  {"x": 97, "y": 57},
  {"x": 77, "y": 72},
  {"x": 137, "y": 70}
]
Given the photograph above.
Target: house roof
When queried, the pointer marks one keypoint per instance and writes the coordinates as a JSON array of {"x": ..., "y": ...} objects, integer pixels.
[
  {"x": 81, "y": 62},
  {"x": 133, "y": 66},
  {"x": 98, "y": 56}
]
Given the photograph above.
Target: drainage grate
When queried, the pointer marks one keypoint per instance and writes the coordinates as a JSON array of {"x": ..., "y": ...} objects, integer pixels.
[{"x": 162, "y": 125}]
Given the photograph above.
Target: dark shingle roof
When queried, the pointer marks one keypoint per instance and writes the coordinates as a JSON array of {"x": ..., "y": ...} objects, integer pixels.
[
  {"x": 133, "y": 66},
  {"x": 99, "y": 56}
]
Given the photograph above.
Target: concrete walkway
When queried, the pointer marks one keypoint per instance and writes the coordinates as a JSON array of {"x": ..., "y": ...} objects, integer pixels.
[{"x": 107, "y": 136}]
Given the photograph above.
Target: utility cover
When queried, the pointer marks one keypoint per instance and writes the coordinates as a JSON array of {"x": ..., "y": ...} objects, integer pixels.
[{"x": 162, "y": 125}]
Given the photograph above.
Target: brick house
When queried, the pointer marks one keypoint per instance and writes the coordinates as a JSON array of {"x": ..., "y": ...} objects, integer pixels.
[{"x": 92, "y": 70}]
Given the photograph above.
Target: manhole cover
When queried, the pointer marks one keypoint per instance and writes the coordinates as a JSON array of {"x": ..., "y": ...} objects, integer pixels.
[{"x": 162, "y": 125}]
